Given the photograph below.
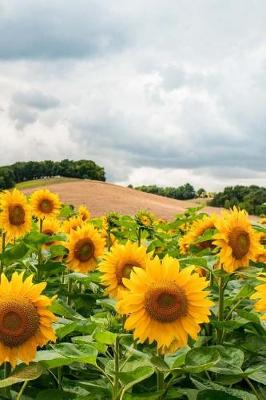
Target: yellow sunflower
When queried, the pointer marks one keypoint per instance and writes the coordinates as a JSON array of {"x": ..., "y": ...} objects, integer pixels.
[
  {"x": 237, "y": 240},
  {"x": 260, "y": 294},
  {"x": 197, "y": 229},
  {"x": 165, "y": 304},
  {"x": 15, "y": 218},
  {"x": 45, "y": 204},
  {"x": 118, "y": 264},
  {"x": 25, "y": 321},
  {"x": 263, "y": 221},
  {"x": 72, "y": 224},
  {"x": 84, "y": 213},
  {"x": 85, "y": 245},
  {"x": 145, "y": 218}
]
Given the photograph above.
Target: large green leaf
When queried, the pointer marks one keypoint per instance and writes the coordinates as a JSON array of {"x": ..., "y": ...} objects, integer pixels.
[
  {"x": 201, "y": 359},
  {"x": 139, "y": 374},
  {"x": 22, "y": 374},
  {"x": 231, "y": 360},
  {"x": 16, "y": 252},
  {"x": 66, "y": 354}
]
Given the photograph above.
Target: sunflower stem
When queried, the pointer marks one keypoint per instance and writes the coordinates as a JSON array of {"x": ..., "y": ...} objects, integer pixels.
[
  {"x": 7, "y": 369},
  {"x": 139, "y": 236},
  {"x": 220, "y": 331},
  {"x": 109, "y": 239},
  {"x": 23, "y": 387},
  {"x": 116, "y": 388},
  {"x": 41, "y": 225},
  {"x": 254, "y": 390},
  {"x": 69, "y": 290},
  {"x": 3, "y": 250}
]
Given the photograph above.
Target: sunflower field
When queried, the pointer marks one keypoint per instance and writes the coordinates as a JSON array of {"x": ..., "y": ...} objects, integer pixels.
[{"x": 130, "y": 307}]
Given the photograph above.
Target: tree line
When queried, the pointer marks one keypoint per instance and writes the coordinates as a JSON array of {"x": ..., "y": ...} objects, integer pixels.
[
  {"x": 24, "y": 171},
  {"x": 184, "y": 192},
  {"x": 251, "y": 198}
]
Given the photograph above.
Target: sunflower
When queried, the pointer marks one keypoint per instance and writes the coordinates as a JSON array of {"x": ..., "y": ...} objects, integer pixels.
[
  {"x": 164, "y": 304},
  {"x": 25, "y": 321},
  {"x": 118, "y": 264},
  {"x": 84, "y": 213},
  {"x": 197, "y": 229},
  {"x": 15, "y": 218},
  {"x": 260, "y": 294},
  {"x": 51, "y": 226},
  {"x": 85, "y": 245},
  {"x": 72, "y": 223},
  {"x": 237, "y": 240},
  {"x": 263, "y": 221},
  {"x": 145, "y": 218},
  {"x": 45, "y": 204}
]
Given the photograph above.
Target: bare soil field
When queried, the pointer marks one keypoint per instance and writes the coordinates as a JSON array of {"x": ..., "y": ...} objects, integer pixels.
[{"x": 102, "y": 197}]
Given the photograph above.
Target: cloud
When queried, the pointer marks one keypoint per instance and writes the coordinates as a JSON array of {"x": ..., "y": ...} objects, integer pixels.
[
  {"x": 26, "y": 106},
  {"x": 171, "y": 95}
]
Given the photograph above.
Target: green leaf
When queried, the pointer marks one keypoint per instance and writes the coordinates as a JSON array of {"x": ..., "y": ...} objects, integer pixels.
[
  {"x": 241, "y": 394},
  {"x": 36, "y": 238},
  {"x": 84, "y": 353},
  {"x": 201, "y": 359},
  {"x": 105, "y": 337},
  {"x": 54, "y": 394},
  {"x": 139, "y": 374},
  {"x": 215, "y": 395},
  {"x": 22, "y": 374},
  {"x": 60, "y": 308}
]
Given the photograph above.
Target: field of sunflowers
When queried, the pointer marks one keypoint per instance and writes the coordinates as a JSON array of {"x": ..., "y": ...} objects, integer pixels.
[{"x": 130, "y": 308}]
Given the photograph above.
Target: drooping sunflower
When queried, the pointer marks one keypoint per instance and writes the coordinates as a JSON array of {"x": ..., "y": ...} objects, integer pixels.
[
  {"x": 15, "y": 218},
  {"x": 85, "y": 245},
  {"x": 261, "y": 257},
  {"x": 84, "y": 213},
  {"x": 25, "y": 321},
  {"x": 165, "y": 304},
  {"x": 260, "y": 296},
  {"x": 197, "y": 229},
  {"x": 118, "y": 264},
  {"x": 237, "y": 240},
  {"x": 45, "y": 204},
  {"x": 51, "y": 226},
  {"x": 72, "y": 223}
]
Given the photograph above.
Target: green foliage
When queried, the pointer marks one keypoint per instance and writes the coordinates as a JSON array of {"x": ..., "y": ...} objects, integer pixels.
[
  {"x": 24, "y": 171},
  {"x": 251, "y": 198}
]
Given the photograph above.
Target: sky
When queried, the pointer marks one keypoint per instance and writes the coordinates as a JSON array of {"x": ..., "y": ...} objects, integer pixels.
[{"x": 157, "y": 91}]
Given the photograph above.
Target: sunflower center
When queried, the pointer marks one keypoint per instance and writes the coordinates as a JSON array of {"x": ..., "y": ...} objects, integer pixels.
[
  {"x": 166, "y": 302},
  {"x": 16, "y": 215},
  {"x": 84, "y": 250},
  {"x": 46, "y": 206},
  {"x": 124, "y": 271},
  {"x": 18, "y": 322},
  {"x": 239, "y": 241}
]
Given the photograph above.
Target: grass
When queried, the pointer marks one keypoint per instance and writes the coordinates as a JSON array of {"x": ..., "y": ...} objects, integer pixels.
[{"x": 42, "y": 182}]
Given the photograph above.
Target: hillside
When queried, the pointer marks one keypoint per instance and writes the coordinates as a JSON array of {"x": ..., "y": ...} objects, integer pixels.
[{"x": 101, "y": 197}]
